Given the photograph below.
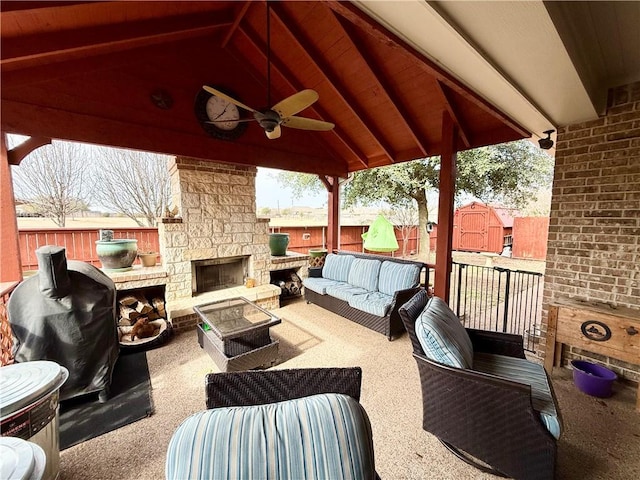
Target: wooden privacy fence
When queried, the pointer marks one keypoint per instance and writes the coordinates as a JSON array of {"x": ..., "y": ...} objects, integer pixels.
[
  {"x": 303, "y": 239},
  {"x": 80, "y": 244},
  {"x": 529, "y": 232}
]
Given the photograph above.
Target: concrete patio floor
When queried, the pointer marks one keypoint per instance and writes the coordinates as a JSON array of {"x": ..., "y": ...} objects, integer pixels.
[{"x": 601, "y": 439}]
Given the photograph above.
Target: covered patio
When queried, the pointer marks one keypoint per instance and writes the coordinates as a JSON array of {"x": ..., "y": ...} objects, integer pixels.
[
  {"x": 600, "y": 440},
  {"x": 400, "y": 81}
]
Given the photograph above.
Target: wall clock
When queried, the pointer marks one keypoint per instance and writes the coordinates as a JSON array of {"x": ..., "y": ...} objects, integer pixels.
[{"x": 209, "y": 108}]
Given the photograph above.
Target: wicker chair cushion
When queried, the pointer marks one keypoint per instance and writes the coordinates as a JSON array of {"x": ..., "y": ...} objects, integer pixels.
[
  {"x": 375, "y": 303},
  {"x": 442, "y": 335},
  {"x": 397, "y": 276},
  {"x": 320, "y": 436},
  {"x": 344, "y": 291},
  {"x": 337, "y": 267},
  {"x": 364, "y": 273},
  {"x": 529, "y": 373},
  {"x": 319, "y": 284}
]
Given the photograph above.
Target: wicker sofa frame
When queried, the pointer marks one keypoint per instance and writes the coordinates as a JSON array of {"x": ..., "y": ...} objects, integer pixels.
[
  {"x": 391, "y": 324},
  {"x": 478, "y": 416}
]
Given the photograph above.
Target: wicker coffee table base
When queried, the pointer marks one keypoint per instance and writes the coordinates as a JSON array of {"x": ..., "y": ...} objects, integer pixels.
[{"x": 264, "y": 356}]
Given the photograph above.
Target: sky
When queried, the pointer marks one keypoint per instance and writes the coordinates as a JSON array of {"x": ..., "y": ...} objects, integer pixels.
[{"x": 269, "y": 193}]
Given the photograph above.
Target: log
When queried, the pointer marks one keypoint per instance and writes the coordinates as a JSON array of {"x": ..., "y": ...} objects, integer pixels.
[
  {"x": 128, "y": 313},
  {"x": 158, "y": 304},
  {"x": 128, "y": 300}
]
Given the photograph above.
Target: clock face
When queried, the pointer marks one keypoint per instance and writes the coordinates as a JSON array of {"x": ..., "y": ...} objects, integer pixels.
[
  {"x": 210, "y": 108},
  {"x": 224, "y": 113}
]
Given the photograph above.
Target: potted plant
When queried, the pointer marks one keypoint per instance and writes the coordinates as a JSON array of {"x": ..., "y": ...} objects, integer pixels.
[
  {"x": 116, "y": 254},
  {"x": 147, "y": 256}
]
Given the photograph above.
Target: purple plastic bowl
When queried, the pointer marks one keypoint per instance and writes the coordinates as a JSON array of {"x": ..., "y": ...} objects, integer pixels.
[{"x": 592, "y": 379}]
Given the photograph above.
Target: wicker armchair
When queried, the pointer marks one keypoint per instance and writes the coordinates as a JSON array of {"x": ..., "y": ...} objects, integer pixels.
[
  {"x": 258, "y": 387},
  {"x": 486, "y": 420},
  {"x": 287, "y": 424}
]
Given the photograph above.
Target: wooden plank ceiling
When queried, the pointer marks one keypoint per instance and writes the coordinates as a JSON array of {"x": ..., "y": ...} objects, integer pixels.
[{"x": 89, "y": 71}]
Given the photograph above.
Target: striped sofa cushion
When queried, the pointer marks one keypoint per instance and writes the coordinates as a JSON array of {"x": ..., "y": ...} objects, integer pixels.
[
  {"x": 336, "y": 267},
  {"x": 321, "y": 436},
  {"x": 364, "y": 274},
  {"x": 319, "y": 284},
  {"x": 529, "y": 373},
  {"x": 398, "y": 276},
  {"x": 375, "y": 303},
  {"x": 344, "y": 291},
  {"x": 442, "y": 336}
]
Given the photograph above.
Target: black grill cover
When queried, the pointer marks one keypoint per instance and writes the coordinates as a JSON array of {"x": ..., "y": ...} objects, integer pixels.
[{"x": 67, "y": 313}]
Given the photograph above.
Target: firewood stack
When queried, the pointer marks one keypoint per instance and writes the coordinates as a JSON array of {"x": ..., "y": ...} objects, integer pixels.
[{"x": 137, "y": 305}]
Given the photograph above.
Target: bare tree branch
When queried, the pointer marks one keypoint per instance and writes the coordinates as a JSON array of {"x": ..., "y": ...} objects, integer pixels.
[
  {"x": 52, "y": 178},
  {"x": 133, "y": 183}
]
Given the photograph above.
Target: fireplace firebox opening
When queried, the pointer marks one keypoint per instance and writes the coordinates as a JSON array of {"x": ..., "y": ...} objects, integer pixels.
[{"x": 218, "y": 273}]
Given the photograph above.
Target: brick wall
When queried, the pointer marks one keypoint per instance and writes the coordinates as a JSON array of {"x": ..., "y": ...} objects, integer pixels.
[{"x": 594, "y": 233}]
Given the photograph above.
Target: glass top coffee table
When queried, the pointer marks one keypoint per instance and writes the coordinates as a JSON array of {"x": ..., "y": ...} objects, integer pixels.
[{"x": 235, "y": 334}]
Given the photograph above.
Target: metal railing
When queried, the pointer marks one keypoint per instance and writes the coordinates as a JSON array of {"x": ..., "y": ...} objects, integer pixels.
[{"x": 498, "y": 299}]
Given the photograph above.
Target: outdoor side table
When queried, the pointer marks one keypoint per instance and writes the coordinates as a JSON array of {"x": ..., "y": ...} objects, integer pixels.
[{"x": 235, "y": 334}]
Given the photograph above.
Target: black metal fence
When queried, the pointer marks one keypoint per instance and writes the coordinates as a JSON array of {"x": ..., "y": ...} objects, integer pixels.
[{"x": 498, "y": 299}]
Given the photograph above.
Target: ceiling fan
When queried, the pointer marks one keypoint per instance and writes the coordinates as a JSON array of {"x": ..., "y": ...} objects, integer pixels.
[{"x": 283, "y": 112}]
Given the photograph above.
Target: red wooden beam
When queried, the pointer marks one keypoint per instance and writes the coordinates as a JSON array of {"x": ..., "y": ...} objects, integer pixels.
[
  {"x": 315, "y": 58},
  {"x": 25, "y": 118},
  {"x": 445, "y": 208},
  {"x": 450, "y": 105},
  {"x": 236, "y": 23},
  {"x": 17, "y": 153},
  {"x": 363, "y": 21},
  {"x": 383, "y": 84},
  {"x": 333, "y": 231},
  {"x": 10, "y": 270},
  {"x": 30, "y": 50}
]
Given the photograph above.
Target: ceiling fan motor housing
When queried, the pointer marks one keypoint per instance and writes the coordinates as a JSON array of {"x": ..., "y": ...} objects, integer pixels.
[{"x": 269, "y": 120}]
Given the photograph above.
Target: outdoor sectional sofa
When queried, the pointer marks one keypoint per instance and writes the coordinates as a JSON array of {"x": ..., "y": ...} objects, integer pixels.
[{"x": 365, "y": 288}]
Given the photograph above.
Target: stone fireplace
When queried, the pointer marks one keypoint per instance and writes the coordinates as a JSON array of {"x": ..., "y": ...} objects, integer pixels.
[{"x": 216, "y": 241}]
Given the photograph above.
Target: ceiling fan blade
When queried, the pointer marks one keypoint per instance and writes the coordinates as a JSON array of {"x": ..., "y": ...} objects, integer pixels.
[
  {"x": 295, "y": 103},
  {"x": 275, "y": 134},
  {"x": 240, "y": 120},
  {"x": 218, "y": 93},
  {"x": 303, "y": 123}
]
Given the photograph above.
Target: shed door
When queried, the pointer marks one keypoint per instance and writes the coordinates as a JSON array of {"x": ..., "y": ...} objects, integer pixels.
[{"x": 473, "y": 231}]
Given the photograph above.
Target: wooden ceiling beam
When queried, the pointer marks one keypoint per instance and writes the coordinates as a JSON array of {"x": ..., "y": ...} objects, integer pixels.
[
  {"x": 315, "y": 58},
  {"x": 35, "y": 5},
  {"x": 24, "y": 119},
  {"x": 52, "y": 47},
  {"x": 384, "y": 86},
  {"x": 236, "y": 23},
  {"x": 17, "y": 153},
  {"x": 450, "y": 105},
  {"x": 287, "y": 75},
  {"x": 373, "y": 28}
]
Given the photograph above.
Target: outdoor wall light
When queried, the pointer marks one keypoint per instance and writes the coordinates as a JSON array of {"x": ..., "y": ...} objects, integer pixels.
[{"x": 546, "y": 143}]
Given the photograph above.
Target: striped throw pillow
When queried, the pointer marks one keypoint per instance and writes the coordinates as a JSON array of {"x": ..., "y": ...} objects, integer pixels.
[
  {"x": 398, "y": 276},
  {"x": 337, "y": 267},
  {"x": 442, "y": 336}
]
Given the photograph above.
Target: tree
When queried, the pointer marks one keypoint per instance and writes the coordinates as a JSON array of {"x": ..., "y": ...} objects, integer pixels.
[
  {"x": 509, "y": 173},
  {"x": 405, "y": 218},
  {"x": 133, "y": 183},
  {"x": 52, "y": 178}
]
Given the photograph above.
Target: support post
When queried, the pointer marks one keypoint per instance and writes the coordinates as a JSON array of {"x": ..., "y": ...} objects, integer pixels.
[
  {"x": 332, "y": 185},
  {"x": 10, "y": 264},
  {"x": 442, "y": 284}
]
